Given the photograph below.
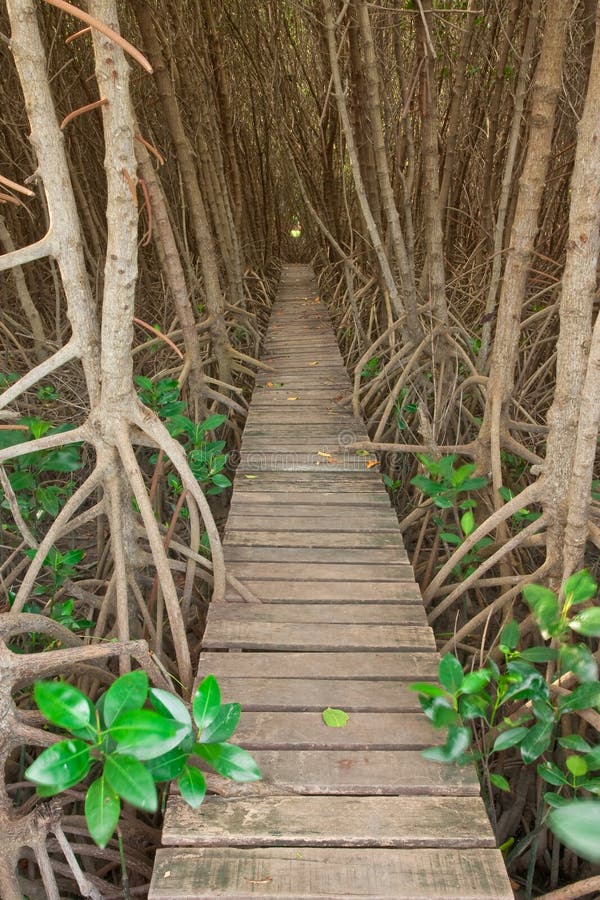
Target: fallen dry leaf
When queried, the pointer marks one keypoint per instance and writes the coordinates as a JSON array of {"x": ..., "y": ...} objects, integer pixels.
[
  {"x": 371, "y": 462},
  {"x": 292, "y": 398},
  {"x": 323, "y": 453},
  {"x": 258, "y": 881},
  {"x": 250, "y": 476},
  {"x": 313, "y": 363}
]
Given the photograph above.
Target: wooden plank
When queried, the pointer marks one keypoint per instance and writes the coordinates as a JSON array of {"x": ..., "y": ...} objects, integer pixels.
[
  {"x": 343, "y": 638},
  {"x": 317, "y": 571},
  {"x": 365, "y": 731},
  {"x": 234, "y": 553},
  {"x": 358, "y": 524},
  {"x": 378, "y": 666},
  {"x": 288, "y": 695},
  {"x": 308, "y": 613},
  {"x": 322, "y": 821},
  {"x": 361, "y": 480},
  {"x": 336, "y": 591},
  {"x": 329, "y": 874},
  {"x": 349, "y": 772},
  {"x": 321, "y": 540},
  {"x": 321, "y": 498}
]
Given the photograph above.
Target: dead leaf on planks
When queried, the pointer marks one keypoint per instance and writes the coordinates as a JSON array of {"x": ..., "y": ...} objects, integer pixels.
[
  {"x": 259, "y": 880},
  {"x": 292, "y": 398},
  {"x": 371, "y": 463},
  {"x": 315, "y": 363}
]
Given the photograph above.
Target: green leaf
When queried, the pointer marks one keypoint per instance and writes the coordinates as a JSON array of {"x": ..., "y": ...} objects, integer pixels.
[
  {"x": 229, "y": 761},
  {"x": 168, "y": 765},
  {"x": 450, "y": 673},
  {"x": 131, "y": 781},
  {"x": 170, "y": 705},
  {"x": 585, "y": 696},
  {"x": 211, "y": 423},
  {"x": 207, "y": 702},
  {"x": 500, "y": 782},
  {"x": 439, "y": 710},
  {"x": 429, "y": 690},
  {"x": 574, "y": 742},
  {"x": 146, "y": 383},
  {"x": 550, "y": 772},
  {"x": 127, "y": 693},
  {"x": 509, "y": 738},
  {"x": 65, "y": 459},
  {"x": 467, "y": 523},
  {"x": 539, "y": 654},
  {"x": 457, "y": 742},
  {"x": 544, "y": 605},
  {"x": 475, "y": 681},
  {"x": 510, "y": 635},
  {"x": 192, "y": 786},
  {"x": 61, "y": 766},
  {"x": 536, "y": 741},
  {"x": 451, "y": 538},
  {"x": 580, "y": 587},
  {"x": 587, "y": 622},
  {"x": 222, "y": 726},
  {"x": 555, "y": 800},
  {"x": 65, "y": 706},
  {"x": 576, "y": 765},
  {"x": 335, "y": 718},
  {"x": 474, "y": 706},
  {"x": 577, "y": 825},
  {"x": 579, "y": 659},
  {"x": 102, "y": 811},
  {"x": 145, "y": 734}
]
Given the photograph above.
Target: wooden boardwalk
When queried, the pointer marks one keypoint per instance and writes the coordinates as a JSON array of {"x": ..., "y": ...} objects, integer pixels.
[{"x": 352, "y": 812}]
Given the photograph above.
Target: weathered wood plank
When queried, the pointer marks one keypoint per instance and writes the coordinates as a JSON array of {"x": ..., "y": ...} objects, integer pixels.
[
  {"x": 235, "y": 553},
  {"x": 316, "y": 539},
  {"x": 321, "y": 571},
  {"x": 284, "y": 636},
  {"x": 330, "y": 821},
  {"x": 310, "y": 613},
  {"x": 329, "y": 874},
  {"x": 367, "y": 731},
  {"x": 350, "y": 772},
  {"x": 378, "y": 666},
  {"x": 327, "y": 591},
  {"x": 354, "y": 516},
  {"x": 295, "y": 694},
  {"x": 322, "y": 498},
  {"x": 372, "y": 524}
]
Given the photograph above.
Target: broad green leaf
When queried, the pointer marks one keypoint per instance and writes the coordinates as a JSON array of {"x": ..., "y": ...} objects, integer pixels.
[
  {"x": 544, "y": 605},
  {"x": 146, "y": 383},
  {"x": 579, "y": 659},
  {"x": 61, "y": 766},
  {"x": 168, "y": 765},
  {"x": 192, "y": 786},
  {"x": 500, "y": 782},
  {"x": 451, "y": 538},
  {"x": 229, "y": 761},
  {"x": 585, "y": 696},
  {"x": 510, "y": 635},
  {"x": 536, "y": 741},
  {"x": 145, "y": 734},
  {"x": 127, "y": 693},
  {"x": 207, "y": 702},
  {"x": 510, "y": 738},
  {"x": 450, "y": 673},
  {"x": 66, "y": 706},
  {"x": 457, "y": 741},
  {"x": 580, "y": 587},
  {"x": 577, "y": 825},
  {"x": 550, "y": 772},
  {"x": 474, "y": 484},
  {"x": 539, "y": 654},
  {"x": 527, "y": 682},
  {"x": 467, "y": 523},
  {"x": 587, "y": 622},
  {"x": 102, "y": 811},
  {"x": 65, "y": 459},
  {"x": 211, "y": 423},
  {"x": 574, "y": 742},
  {"x": 474, "y": 706},
  {"x": 439, "y": 711},
  {"x": 222, "y": 726},
  {"x": 335, "y": 718},
  {"x": 131, "y": 781},
  {"x": 555, "y": 800},
  {"x": 170, "y": 705},
  {"x": 430, "y": 690},
  {"x": 576, "y": 765},
  {"x": 475, "y": 681}
]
